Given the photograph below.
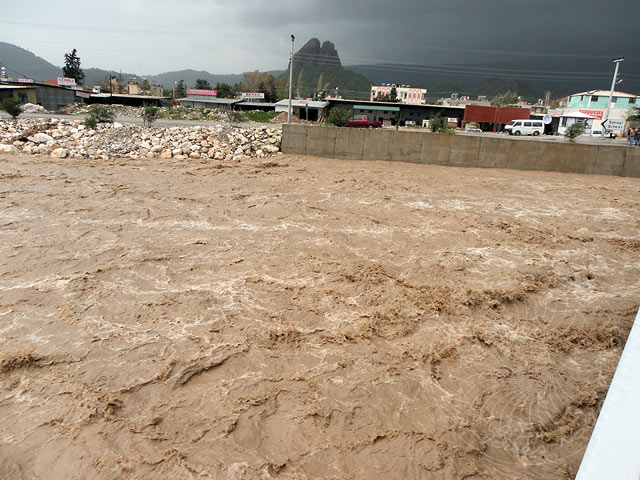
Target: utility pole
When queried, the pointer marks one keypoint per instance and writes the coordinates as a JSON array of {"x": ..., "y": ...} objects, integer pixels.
[
  {"x": 290, "y": 77},
  {"x": 613, "y": 85}
]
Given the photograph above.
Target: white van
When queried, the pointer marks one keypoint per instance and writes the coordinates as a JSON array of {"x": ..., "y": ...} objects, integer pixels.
[{"x": 525, "y": 127}]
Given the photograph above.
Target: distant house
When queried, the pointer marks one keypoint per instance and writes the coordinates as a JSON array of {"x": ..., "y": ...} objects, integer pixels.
[
  {"x": 133, "y": 87},
  {"x": 404, "y": 93}
]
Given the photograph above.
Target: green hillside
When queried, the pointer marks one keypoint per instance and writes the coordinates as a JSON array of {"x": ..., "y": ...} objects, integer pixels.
[{"x": 21, "y": 63}]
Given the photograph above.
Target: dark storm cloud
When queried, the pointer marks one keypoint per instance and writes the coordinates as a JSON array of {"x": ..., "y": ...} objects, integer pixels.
[{"x": 239, "y": 36}]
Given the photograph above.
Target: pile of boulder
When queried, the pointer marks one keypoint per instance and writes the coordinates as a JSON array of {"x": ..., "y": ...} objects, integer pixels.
[{"x": 70, "y": 138}]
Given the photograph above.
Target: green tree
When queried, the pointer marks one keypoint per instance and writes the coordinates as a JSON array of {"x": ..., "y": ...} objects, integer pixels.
[
  {"x": 98, "y": 114},
  {"x": 505, "y": 99},
  {"x": 300, "y": 83},
  {"x": 339, "y": 116},
  {"x": 262, "y": 88},
  {"x": 145, "y": 87},
  {"x": 282, "y": 88},
  {"x": 72, "y": 68},
  {"x": 202, "y": 84},
  {"x": 273, "y": 94},
  {"x": 574, "y": 131},
  {"x": 181, "y": 89},
  {"x": 224, "y": 90},
  {"x": 11, "y": 105},
  {"x": 392, "y": 96},
  {"x": 438, "y": 124},
  {"x": 150, "y": 114}
]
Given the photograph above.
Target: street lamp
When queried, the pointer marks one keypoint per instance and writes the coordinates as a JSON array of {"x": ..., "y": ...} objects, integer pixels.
[
  {"x": 290, "y": 77},
  {"x": 613, "y": 84}
]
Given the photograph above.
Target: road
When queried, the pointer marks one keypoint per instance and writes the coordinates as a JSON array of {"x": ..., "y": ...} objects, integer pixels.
[
  {"x": 621, "y": 142},
  {"x": 138, "y": 121},
  {"x": 585, "y": 140}
]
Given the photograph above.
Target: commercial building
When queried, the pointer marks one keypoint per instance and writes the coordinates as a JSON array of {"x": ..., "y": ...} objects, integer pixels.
[
  {"x": 404, "y": 93},
  {"x": 391, "y": 114},
  {"x": 51, "y": 97},
  {"x": 26, "y": 94},
  {"x": 594, "y": 104},
  {"x": 304, "y": 109},
  {"x": 494, "y": 118}
]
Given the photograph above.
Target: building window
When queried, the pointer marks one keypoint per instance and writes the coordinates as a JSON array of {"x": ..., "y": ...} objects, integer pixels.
[
  {"x": 614, "y": 99},
  {"x": 594, "y": 98},
  {"x": 581, "y": 97},
  {"x": 632, "y": 101}
]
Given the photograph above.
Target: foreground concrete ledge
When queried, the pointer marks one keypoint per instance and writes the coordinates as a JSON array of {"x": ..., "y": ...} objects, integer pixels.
[
  {"x": 459, "y": 150},
  {"x": 614, "y": 450}
]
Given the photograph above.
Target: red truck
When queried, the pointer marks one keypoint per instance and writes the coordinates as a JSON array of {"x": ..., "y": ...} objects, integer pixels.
[{"x": 363, "y": 121}]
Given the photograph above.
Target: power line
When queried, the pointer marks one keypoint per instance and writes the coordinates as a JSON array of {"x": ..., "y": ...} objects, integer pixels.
[{"x": 478, "y": 71}]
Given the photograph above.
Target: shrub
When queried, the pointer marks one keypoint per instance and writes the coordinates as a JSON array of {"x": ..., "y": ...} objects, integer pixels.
[
  {"x": 12, "y": 106},
  {"x": 439, "y": 125},
  {"x": 150, "y": 114},
  {"x": 98, "y": 114},
  {"x": 574, "y": 131},
  {"x": 339, "y": 117},
  {"x": 90, "y": 122}
]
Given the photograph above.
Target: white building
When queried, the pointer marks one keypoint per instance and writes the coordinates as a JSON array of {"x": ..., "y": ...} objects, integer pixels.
[{"x": 404, "y": 93}]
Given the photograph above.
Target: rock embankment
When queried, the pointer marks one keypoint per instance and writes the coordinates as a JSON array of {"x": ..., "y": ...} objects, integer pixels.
[{"x": 70, "y": 138}]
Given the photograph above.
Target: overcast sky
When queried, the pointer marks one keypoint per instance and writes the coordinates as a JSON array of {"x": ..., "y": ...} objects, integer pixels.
[{"x": 155, "y": 36}]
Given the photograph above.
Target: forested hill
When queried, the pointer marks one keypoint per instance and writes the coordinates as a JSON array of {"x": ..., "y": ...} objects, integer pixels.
[{"x": 21, "y": 63}]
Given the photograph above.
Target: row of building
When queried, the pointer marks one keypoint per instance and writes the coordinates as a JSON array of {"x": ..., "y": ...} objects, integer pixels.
[{"x": 410, "y": 107}]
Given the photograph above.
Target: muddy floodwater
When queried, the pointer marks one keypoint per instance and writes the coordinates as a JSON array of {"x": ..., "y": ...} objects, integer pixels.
[{"x": 305, "y": 318}]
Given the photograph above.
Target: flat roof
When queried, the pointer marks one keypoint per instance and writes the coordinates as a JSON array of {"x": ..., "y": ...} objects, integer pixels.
[
  {"x": 253, "y": 104},
  {"x": 396, "y": 104},
  {"x": 122, "y": 95},
  {"x": 603, "y": 93},
  {"x": 303, "y": 103},
  {"x": 377, "y": 108},
  {"x": 225, "y": 101},
  {"x": 13, "y": 87}
]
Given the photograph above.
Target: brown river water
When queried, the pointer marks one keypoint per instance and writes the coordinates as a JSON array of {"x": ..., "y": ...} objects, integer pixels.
[{"x": 307, "y": 318}]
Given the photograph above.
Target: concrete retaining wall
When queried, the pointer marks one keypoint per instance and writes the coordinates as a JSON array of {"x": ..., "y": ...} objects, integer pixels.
[{"x": 460, "y": 150}]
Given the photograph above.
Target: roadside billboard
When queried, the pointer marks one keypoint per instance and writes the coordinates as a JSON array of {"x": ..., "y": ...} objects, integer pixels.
[
  {"x": 253, "y": 96},
  {"x": 201, "y": 92},
  {"x": 66, "y": 82}
]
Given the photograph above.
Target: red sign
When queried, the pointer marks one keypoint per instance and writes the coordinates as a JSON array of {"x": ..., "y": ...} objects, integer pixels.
[
  {"x": 25, "y": 80},
  {"x": 597, "y": 114},
  {"x": 66, "y": 82},
  {"x": 198, "y": 91},
  {"x": 478, "y": 113},
  {"x": 83, "y": 94}
]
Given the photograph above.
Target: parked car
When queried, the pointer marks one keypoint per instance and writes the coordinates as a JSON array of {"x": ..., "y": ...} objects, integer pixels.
[
  {"x": 525, "y": 127},
  {"x": 363, "y": 121}
]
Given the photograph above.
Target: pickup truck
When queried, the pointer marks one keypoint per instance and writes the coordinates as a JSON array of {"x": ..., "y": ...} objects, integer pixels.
[{"x": 363, "y": 121}]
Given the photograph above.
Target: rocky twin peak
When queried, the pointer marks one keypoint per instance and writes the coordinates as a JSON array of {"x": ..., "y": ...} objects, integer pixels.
[{"x": 314, "y": 53}]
